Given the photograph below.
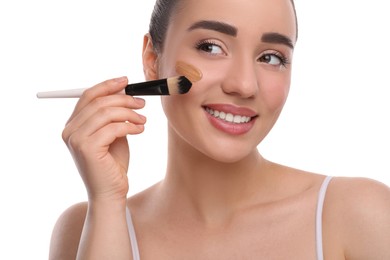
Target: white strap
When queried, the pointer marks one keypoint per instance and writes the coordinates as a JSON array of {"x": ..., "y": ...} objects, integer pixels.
[
  {"x": 320, "y": 206},
  {"x": 133, "y": 238}
]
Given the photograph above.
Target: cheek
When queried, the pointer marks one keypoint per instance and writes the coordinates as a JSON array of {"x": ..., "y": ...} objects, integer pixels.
[
  {"x": 166, "y": 68},
  {"x": 274, "y": 92},
  {"x": 169, "y": 107},
  {"x": 213, "y": 75},
  {"x": 177, "y": 108}
]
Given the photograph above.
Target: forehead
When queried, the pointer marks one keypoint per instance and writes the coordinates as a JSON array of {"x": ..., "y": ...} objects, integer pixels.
[{"x": 246, "y": 15}]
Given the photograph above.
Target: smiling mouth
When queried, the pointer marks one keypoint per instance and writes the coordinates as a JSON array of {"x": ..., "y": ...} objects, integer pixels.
[{"x": 228, "y": 117}]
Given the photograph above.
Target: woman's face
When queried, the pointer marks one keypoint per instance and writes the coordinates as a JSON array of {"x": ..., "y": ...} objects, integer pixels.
[{"x": 244, "y": 49}]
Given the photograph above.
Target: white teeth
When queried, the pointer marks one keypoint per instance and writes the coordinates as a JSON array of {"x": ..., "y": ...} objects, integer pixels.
[
  {"x": 237, "y": 119},
  {"x": 228, "y": 117}
]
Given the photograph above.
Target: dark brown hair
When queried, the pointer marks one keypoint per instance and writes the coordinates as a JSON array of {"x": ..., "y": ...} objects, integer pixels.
[{"x": 161, "y": 17}]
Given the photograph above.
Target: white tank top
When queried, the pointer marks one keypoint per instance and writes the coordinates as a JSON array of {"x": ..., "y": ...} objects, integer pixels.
[{"x": 320, "y": 206}]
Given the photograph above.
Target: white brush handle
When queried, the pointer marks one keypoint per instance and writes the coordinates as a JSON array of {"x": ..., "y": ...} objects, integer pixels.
[{"x": 70, "y": 93}]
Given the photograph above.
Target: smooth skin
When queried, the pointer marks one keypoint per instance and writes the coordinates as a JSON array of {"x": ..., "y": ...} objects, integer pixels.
[{"x": 220, "y": 198}]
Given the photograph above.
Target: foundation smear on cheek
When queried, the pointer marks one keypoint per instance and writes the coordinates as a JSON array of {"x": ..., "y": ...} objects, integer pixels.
[{"x": 189, "y": 71}]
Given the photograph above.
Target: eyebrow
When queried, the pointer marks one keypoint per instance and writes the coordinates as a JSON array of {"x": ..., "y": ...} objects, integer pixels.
[
  {"x": 269, "y": 37},
  {"x": 273, "y": 37},
  {"x": 215, "y": 26}
]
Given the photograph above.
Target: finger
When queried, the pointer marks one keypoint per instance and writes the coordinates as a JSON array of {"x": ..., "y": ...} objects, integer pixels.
[
  {"x": 108, "y": 134},
  {"x": 108, "y": 87},
  {"x": 103, "y": 138},
  {"x": 108, "y": 115},
  {"x": 109, "y": 101}
]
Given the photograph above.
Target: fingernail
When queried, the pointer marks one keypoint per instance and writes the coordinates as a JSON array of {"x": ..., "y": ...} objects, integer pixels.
[
  {"x": 143, "y": 118},
  {"x": 140, "y": 127},
  {"x": 139, "y": 101},
  {"x": 120, "y": 79}
]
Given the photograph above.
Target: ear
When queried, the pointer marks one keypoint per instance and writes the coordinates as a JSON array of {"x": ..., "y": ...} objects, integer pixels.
[{"x": 149, "y": 59}]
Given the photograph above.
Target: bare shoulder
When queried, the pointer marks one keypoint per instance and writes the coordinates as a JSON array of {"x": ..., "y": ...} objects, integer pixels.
[
  {"x": 358, "y": 211},
  {"x": 67, "y": 231},
  {"x": 360, "y": 195}
]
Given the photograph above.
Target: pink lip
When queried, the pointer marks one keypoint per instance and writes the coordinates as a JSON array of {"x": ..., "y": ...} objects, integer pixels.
[
  {"x": 235, "y": 110},
  {"x": 227, "y": 127}
]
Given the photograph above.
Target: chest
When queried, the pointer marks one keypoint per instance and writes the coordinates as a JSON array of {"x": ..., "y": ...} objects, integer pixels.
[{"x": 269, "y": 232}]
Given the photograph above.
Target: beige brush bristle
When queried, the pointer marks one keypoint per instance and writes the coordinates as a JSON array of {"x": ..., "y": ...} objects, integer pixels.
[{"x": 178, "y": 85}]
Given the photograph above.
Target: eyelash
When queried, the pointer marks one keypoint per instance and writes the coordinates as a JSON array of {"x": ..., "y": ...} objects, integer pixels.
[
  {"x": 205, "y": 44},
  {"x": 200, "y": 46},
  {"x": 284, "y": 61}
]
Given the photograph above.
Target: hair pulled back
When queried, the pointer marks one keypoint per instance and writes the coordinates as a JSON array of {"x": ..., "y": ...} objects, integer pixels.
[
  {"x": 161, "y": 17},
  {"x": 159, "y": 21}
]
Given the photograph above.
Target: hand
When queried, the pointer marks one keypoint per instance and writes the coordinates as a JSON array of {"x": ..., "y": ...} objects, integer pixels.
[{"x": 96, "y": 137}]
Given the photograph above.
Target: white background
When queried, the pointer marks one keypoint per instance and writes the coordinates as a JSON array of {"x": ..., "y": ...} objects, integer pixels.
[{"x": 335, "y": 122}]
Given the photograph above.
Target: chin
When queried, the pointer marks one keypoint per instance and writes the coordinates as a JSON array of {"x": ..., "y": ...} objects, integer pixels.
[{"x": 231, "y": 156}]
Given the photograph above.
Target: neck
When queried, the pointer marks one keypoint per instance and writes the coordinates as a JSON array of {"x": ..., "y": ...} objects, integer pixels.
[{"x": 210, "y": 189}]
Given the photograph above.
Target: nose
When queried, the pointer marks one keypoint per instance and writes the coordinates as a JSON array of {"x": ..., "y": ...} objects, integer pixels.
[{"x": 241, "y": 79}]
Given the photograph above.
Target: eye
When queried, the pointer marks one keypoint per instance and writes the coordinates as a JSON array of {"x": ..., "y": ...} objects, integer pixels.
[
  {"x": 210, "y": 47},
  {"x": 274, "y": 59}
]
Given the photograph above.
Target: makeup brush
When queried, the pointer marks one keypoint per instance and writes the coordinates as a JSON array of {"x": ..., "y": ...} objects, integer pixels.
[{"x": 169, "y": 86}]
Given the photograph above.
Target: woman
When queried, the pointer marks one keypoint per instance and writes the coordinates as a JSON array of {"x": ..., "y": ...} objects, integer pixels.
[{"x": 220, "y": 198}]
